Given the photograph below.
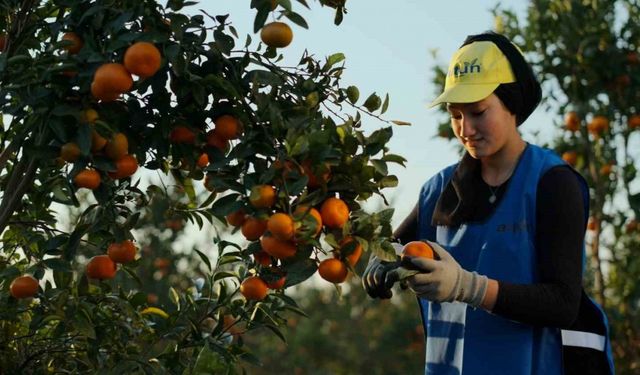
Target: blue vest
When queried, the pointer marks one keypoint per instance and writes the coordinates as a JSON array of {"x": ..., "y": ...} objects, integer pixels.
[{"x": 463, "y": 340}]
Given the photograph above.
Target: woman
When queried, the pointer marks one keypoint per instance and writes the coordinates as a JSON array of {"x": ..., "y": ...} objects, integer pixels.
[{"x": 507, "y": 223}]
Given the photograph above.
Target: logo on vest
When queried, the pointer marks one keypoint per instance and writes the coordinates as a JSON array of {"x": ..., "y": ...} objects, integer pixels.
[
  {"x": 469, "y": 67},
  {"x": 517, "y": 227}
]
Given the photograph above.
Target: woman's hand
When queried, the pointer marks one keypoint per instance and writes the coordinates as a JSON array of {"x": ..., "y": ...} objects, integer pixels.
[{"x": 443, "y": 280}]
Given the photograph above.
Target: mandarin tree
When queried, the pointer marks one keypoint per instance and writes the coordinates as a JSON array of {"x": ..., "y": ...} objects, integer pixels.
[{"x": 108, "y": 108}]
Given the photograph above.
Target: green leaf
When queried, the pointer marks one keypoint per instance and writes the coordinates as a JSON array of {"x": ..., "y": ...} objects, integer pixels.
[
  {"x": 175, "y": 297},
  {"x": 264, "y": 77},
  {"x": 297, "y": 19},
  {"x": 275, "y": 330},
  {"x": 226, "y": 205},
  {"x": 393, "y": 158},
  {"x": 57, "y": 264},
  {"x": 55, "y": 242},
  {"x": 261, "y": 18},
  {"x": 380, "y": 166},
  {"x": 210, "y": 362},
  {"x": 84, "y": 326},
  {"x": 385, "y": 105},
  {"x": 223, "y": 275},
  {"x": 204, "y": 258},
  {"x": 373, "y": 102},
  {"x": 332, "y": 60},
  {"x": 389, "y": 181},
  {"x": 300, "y": 271},
  {"x": 353, "y": 94}
]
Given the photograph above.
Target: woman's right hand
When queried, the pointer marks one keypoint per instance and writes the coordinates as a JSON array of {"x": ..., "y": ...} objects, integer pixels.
[{"x": 375, "y": 275}]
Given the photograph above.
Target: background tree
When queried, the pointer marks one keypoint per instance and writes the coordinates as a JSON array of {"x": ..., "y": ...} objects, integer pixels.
[{"x": 99, "y": 96}]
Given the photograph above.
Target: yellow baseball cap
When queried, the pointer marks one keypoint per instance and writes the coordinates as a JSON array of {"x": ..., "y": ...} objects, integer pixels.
[{"x": 475, "y": 71}]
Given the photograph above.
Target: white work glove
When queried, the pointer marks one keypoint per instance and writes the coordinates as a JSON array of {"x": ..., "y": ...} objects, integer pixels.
[{"x": 443, "y": 280}]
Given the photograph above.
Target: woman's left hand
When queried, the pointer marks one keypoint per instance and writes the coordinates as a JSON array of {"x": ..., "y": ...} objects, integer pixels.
[{"x": 443, "y": 280}]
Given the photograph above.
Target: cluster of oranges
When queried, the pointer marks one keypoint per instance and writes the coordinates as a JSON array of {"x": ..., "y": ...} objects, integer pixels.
[
  {"x": 227, "y": 128},
  {"x": 114, "y": 79},
  {"x": 110, "y": 81},
  {"x": 598, "y": 124},
  {"x": 101, "y": 267},
  {"x": 281, "y": 233},
  {"x": 116, "y": 148},
  {"x": 104, "y": 267}
]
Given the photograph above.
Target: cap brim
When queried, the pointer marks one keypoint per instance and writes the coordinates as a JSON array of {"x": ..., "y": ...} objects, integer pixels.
[{"x": 462, "y": 93}]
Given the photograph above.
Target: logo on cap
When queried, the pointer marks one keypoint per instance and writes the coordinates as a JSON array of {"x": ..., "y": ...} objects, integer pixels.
[{"x": 469, "y": 67}]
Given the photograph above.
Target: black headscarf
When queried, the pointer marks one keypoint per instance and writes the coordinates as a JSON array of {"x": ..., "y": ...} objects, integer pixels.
[{"x": 523, "y": 96}]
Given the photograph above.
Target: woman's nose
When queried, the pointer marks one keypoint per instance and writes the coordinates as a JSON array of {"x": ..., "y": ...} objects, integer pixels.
[{"x": 467, "y": 128}]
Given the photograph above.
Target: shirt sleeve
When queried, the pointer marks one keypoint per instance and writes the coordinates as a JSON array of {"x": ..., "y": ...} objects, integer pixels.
[{"x": 559, "y": 238}]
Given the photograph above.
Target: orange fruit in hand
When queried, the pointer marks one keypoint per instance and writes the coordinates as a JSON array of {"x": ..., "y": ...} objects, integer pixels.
[
  {"x": 572, "y": 121},
  {"x": 117, "y": 146},
  {"x": 142, "y": 59},
  {"x": 101, "y": 267},
  {"x": 634, "y": 122},
  {"x": 333, "y": 270},
  {"x": 122, "y": 252},
  {"x": 236, "y": 218},
  {"x": 253, "y": 228},
  {"x": 355, "y": 255},
  {"x": 125, "y": 166},
  {"x": 182, "y": 134},
  {"x": 277, "y": 248},
  {"x": 281, "y": 226},
  {"x": 571, "y": 157},
  {"x": 308, "y": 215},
  {"x": 69, "y": 152},
  {"x": 334, "y": 212},
  {"x": 262, "y": 196},
  {"x": 254, "y": 288},
  {"x": 24, "y": 287},
  {"x": 87, "y": 178},
  {"x": 227, "y": 127},
  {"x": 418, "y": 249},
  {"x": 112, "y": 78},
  {"x": 76, "y": 43},
  {"x": 276, "y": 34}
]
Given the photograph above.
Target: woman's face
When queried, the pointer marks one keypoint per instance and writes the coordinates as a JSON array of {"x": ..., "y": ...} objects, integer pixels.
[{"x": 483, "y": 127}]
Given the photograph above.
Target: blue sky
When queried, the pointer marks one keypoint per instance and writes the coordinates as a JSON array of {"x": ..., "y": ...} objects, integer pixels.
[{"x": 387, "y": 46}]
